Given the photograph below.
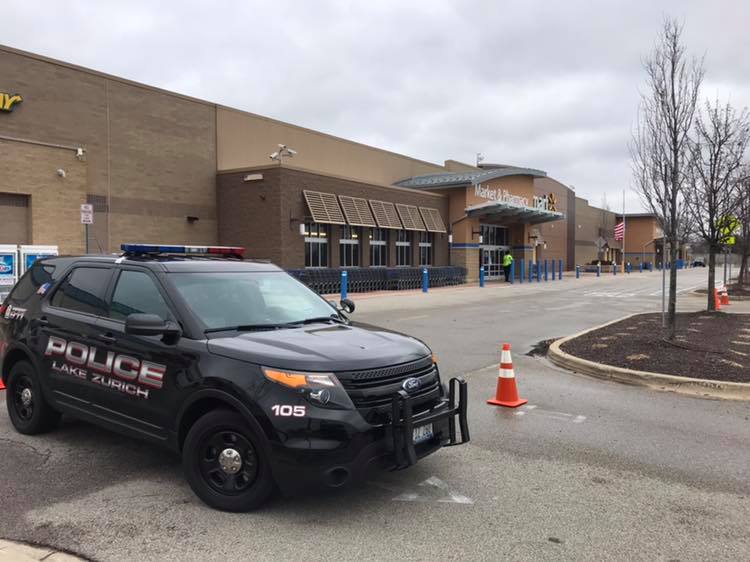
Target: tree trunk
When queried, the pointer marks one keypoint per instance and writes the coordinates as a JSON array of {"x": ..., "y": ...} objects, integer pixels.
[
  {"x": 743, "y": 271},
  {"x": 711, "y": 307},
  {"x": 672, "y": 309}
]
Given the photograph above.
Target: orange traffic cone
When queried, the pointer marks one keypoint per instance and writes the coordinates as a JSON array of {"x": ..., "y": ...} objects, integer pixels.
[
  {"x": 506, "y": 393},
  {"x": 725, "y": 296},
  {"x": 717, "y": 300}
]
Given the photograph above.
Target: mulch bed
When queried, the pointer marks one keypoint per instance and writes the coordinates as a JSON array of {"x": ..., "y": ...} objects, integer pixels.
[
  {"x": 712, "y": 346},
  {"x": 735, "y": 291}
]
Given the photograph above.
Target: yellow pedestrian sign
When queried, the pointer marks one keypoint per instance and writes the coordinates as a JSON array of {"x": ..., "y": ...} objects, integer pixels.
[{"x": 728, "y": 227}]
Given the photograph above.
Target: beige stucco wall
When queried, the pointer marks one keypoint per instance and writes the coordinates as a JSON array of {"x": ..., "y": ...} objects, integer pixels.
[{"x": 246, "y": 140}]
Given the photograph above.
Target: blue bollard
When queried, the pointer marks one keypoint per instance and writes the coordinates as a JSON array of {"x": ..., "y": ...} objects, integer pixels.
[
  {"x": 538, "y": 272},
  {"x": 531, "y": 270},
  {"x": 559, "y": 276},
  {"x": 598, "y": 270},
  {"x": 512, "y": 272},
  {"x": 425, "y": 280},
  {"x": 545, "y": 270},
  {"x": 520, "y": 271},
  {"x": 552, "y": 266},
  {"x": 614, "y": 268},
  {"x": 344, "y": 284},
  {"x": 640, "y": 268},
  {"x": 481, "y": 276},
  {"x": 578, "y": 272}
]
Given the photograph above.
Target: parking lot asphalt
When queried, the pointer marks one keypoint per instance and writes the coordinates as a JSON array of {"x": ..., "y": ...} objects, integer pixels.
[{"x": 587, "y": 470}]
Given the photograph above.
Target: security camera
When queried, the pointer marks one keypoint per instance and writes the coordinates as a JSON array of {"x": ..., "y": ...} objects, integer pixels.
[
  {"x": 291, "y": 151},
  {"x": 274, "y": 156},
  {"x": 79, "y": 153},
  {"x": 282, "y": 146},
  {"x": 61, "y": 172}
]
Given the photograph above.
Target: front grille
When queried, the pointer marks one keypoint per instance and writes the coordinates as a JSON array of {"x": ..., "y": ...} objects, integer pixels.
[{"x": 372, "y": 390}]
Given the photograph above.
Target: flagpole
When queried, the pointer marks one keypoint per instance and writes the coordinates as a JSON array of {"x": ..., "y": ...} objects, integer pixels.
[{"x": 623, "y": 231}]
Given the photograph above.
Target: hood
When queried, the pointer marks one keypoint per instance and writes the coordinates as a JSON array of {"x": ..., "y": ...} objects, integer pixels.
[{"x": 322, "y": 347}]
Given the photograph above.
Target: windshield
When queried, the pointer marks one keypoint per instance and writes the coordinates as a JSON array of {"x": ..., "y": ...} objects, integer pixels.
[{"x": 249, "y": 299}]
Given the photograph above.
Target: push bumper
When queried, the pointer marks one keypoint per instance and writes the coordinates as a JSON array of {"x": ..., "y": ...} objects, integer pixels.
[
  {"x": 404, "y": 422},
  {"x": 361, "y": 446}
]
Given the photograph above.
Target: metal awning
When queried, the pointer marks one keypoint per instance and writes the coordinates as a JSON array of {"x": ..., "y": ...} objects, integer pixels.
[
  {"x": 324, "y": 207},
  {"x": 503, "y": 210},
  {"x": 432, "y": 219},
  {"x": 410, "y": 217},
  {"x": 357, "y": 211},
  {"x": 385, "y": 214}
]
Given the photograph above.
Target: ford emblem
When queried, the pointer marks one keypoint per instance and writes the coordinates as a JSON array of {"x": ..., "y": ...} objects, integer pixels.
[{"x": 411, "y": 384}]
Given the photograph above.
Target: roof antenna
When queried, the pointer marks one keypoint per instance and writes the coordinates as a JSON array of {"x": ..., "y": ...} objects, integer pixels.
[{"x": 480, "y": 158}]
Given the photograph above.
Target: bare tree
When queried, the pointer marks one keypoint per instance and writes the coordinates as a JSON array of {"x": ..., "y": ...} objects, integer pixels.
[
  {"x": 717, "y": 150},
  {"x": 743, "y": 215},
  {"x": 659, "y": 148}
]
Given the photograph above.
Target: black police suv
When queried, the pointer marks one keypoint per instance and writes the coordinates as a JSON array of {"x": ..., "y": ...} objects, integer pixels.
[{"x": 252, "y": 377}]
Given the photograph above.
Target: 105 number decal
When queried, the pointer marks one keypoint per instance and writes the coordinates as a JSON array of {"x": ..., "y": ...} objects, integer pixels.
[{"x": 289, "y": 411}]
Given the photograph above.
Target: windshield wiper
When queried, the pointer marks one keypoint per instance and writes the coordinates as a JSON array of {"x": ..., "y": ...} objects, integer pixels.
[
  {"x": 331, "y": 318},
  {"x": 248, "y": 328}
]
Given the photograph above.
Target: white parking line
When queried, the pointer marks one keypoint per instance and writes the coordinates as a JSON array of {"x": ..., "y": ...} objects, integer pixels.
[
  {"x": 563, "y": 416},
  {"x": 434, "y": 490}
]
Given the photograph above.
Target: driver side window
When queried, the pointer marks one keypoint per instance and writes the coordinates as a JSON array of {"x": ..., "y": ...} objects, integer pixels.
[{"x": 137, "y": 293}]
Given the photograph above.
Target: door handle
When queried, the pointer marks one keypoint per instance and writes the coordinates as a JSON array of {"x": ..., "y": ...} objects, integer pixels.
[
  {"x": 42, "y": 321},
  {"x": 107, "y": 338}
]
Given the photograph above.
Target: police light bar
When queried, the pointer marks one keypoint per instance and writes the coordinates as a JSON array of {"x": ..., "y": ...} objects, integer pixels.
[{"x": 159, "y": 249}]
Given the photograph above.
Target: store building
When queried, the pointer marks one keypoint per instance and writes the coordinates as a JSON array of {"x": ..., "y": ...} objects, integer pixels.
[{"x": 162, "y": 167}]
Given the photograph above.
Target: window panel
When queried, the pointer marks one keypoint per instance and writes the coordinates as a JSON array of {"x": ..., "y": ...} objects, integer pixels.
[
  {"x": 83, "y": 291},
  {"x": 136, "y": 293}
]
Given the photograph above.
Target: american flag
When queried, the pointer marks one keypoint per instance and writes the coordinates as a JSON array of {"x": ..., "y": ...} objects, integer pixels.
[{"x": 620, "y": 231}]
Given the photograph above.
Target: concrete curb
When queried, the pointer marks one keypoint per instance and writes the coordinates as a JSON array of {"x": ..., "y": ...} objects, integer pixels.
[{"x": 658, "y": 381}]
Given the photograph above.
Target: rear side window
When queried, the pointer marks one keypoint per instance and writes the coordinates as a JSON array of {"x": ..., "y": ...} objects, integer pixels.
[
  {"x": 83, "y": 291},
  {"x": 30, "y": 282},
  {"x": 135, "y": 293}
]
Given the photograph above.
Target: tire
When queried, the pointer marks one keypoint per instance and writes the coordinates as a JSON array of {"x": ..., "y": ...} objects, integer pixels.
[
  {"x": 217, "y": 444},
  {"x": 29, "y": 412}
]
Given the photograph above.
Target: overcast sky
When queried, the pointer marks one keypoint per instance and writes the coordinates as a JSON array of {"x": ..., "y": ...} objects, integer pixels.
[{"x": 551, "y": 85}]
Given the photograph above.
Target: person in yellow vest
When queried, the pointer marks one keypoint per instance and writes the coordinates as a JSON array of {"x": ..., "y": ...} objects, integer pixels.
[{"x": 507, "y": 262}]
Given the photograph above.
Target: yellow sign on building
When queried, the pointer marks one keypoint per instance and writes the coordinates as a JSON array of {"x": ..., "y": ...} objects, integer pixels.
[{"x": 7, "y": 101}]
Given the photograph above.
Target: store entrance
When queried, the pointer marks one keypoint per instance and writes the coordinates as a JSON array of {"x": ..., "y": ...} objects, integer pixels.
[
  {"x": 492, "y": 260},
  {"x": 493, "y": 246}
]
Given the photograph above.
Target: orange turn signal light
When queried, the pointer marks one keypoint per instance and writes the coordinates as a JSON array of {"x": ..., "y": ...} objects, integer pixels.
[{"x": 292, "y": 380}]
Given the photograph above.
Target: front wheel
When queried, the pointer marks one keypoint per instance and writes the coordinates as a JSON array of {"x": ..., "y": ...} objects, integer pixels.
[
  {"x": 224, "y": 463},
  {"x": 29, "y": 412}
]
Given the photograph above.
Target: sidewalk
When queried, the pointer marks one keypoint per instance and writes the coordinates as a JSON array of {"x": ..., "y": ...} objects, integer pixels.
[{"x": 11, "y": 551}]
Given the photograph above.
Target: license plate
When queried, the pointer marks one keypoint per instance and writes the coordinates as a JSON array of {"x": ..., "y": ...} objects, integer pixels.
[{"x": 422, "y": 433}]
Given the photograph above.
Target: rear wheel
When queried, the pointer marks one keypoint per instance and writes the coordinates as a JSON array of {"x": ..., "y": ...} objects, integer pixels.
[
  {"x": 28, "y": 410},
  {"x": 224, "y": 463}
]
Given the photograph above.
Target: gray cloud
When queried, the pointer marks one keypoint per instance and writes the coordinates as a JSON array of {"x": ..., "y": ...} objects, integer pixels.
[{"x": 552, "y": 85}]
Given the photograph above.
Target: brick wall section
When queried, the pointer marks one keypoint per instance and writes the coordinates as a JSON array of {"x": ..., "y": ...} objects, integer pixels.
[
  {"x": 149, "y": 153},
  {"x": 54, "y": 201},
  {"x": 277, "y": 207},
  {"x": 250, "y": 213}
]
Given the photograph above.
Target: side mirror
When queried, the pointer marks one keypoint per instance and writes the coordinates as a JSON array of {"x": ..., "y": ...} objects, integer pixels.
[
  {"x": 149, "y": 325},
  {"x": 348, "y": 305}
]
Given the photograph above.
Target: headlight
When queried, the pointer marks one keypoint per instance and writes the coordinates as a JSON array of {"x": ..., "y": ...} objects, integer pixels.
[
  {"x": 294, "y": 379},
  {"x": 321, "y": 389}
]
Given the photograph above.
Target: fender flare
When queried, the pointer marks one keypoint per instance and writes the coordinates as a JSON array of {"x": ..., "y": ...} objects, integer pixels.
[
  {"x": 230, "y": 400},
  {"x": 17, "y": 346}
]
